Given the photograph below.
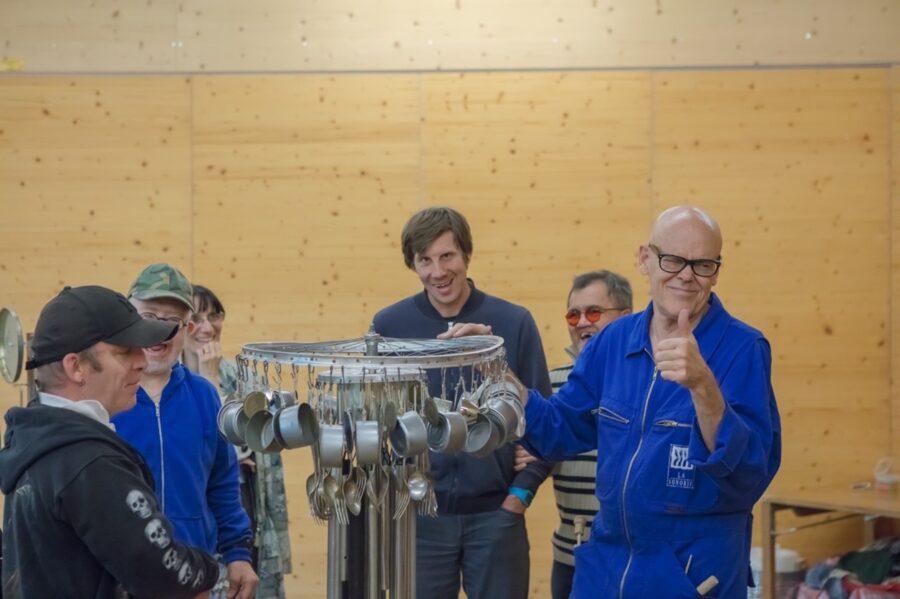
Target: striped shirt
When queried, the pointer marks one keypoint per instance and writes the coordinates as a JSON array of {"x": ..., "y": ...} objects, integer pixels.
[{"x": 573, "y": 484}]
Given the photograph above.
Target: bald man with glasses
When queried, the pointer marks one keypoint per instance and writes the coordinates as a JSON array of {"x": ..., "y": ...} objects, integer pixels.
[{"x": 678, "y": 402}]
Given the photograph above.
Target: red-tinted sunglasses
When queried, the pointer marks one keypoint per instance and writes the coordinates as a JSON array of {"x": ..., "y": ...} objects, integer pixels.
[{"x": 592, "y": 314}]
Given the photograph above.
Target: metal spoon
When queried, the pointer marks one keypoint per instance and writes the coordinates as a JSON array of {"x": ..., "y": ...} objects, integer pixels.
[
  {"x": 417, "y": 484},
  {"x": 334, "y": 495},
  {"x": 352, "y": 496}
]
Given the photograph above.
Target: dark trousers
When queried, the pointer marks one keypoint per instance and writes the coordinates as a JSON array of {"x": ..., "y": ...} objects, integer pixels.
[
  {"x": 487, "y": 553},
  {"x": 248, "y": 500},
  {"x": 561, "y": 580}
]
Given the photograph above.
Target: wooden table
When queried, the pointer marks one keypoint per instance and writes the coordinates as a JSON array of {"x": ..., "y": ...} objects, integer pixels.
[{"x": 842, "y": 500}]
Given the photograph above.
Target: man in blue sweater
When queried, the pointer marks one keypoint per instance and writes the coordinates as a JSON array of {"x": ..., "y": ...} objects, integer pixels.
[
  {"x": 174, "y": 428},
  {"x": 479, "y": 534}
]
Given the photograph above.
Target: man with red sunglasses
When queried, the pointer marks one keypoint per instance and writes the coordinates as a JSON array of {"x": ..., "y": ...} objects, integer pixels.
[{"x": 596, "y": 299}]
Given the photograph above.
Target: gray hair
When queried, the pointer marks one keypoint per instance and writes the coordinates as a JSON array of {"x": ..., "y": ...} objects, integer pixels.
[
  {"x": 53, "y": 376},
  {"x": 617, "y": 286}
]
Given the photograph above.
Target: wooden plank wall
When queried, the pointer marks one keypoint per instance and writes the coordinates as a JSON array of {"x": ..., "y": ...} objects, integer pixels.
[
  {"x": 286, "y": 194},
  {"x": 803, "y": 191},
  {"x": 391, "y": 35},
  {"x": 895, "y": 263},
  {"x": 95, "y": 180}
]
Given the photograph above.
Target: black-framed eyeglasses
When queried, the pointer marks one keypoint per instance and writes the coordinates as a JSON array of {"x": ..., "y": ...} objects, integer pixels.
[
  {"x": 592, "y": 314},
  {"x": 670, "y": 263},
  {"x": 170, "y": 319}
]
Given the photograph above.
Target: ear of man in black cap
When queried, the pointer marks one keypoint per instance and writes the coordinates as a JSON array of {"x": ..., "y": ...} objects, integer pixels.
[{"x": 79, "y": 317}]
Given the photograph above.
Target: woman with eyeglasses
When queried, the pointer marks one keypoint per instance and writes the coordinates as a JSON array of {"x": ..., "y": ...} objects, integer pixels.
[
  {"x": 203, "y": 347},
  {"x": 262, "y": 475}
]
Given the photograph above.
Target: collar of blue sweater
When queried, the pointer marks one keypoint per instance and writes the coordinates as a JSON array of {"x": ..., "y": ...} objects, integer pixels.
[
  {"x": 177, "y": 376},
  {"x": 476, "y": 298}
]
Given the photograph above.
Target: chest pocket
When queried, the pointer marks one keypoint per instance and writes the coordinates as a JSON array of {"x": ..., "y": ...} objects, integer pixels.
[
  {"x": 615, "y": 423},
  {"x": 673, "y": 484}
]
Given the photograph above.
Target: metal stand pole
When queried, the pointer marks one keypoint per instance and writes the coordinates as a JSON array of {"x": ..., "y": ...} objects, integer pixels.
[
  {"x": 356, "y": 558},
  {"x": 335, "y": 560}
]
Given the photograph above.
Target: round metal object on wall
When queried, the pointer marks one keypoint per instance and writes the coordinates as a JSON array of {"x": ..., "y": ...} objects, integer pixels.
[{"x": 12, "y": 346}]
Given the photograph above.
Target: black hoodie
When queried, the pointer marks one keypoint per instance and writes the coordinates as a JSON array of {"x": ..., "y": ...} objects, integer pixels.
[{"x": 80, "y": 517}]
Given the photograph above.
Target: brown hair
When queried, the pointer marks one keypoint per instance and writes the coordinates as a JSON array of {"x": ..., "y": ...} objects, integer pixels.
[{"x": 427, "y": 225}]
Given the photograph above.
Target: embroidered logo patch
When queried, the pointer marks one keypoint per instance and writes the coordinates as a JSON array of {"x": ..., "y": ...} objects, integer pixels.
[{"x": 681, "y": 472}]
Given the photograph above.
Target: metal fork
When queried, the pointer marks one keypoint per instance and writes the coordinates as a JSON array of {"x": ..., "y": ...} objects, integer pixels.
[
  {"x": 340, "y": 503},
  {"x": 318, "y": 507},
  {"x": 428, "y": 506},
  {"x": 402, "y": 491}
]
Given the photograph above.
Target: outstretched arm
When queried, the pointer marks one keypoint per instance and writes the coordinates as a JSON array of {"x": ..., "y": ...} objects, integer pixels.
[{"x": 114, "y": 512}]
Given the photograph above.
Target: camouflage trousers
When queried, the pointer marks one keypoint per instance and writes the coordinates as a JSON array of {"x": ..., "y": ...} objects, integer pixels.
[{"x": 272, "y": 539}]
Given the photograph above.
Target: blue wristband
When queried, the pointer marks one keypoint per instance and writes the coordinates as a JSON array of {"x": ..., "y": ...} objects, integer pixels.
[{"x": 523, "y": 495}]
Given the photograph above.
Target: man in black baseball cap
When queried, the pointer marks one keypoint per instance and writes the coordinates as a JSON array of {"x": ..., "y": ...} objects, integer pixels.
[
  {"x": 80, "y": 517},
  {"x": 79, "y": 317},
  {"x": 78, "y": 330}
]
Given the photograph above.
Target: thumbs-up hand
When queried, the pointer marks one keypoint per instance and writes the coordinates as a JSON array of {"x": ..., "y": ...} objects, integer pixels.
[{"x": 678, "y": 357}]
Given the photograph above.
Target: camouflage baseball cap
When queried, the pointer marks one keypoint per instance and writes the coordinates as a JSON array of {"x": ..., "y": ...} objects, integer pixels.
[{"x": 162, "y": 280}]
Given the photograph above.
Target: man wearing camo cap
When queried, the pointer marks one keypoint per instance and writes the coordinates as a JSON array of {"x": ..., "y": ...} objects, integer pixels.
[{"x": 174, "y": 427}]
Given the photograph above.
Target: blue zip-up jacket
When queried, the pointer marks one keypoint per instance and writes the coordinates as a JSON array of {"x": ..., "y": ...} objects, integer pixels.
[
  {"x": 672, "y": 513},
  {"x": 465, "y": 484},
  {"x": 194, "y": 467}
]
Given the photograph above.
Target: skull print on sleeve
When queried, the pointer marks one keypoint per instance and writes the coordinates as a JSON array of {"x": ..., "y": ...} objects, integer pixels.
[
  {"x": 138, "y": 503},
  {"x": 114, "y": 511}
]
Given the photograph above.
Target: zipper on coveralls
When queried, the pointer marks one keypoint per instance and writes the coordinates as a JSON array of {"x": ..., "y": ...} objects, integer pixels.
[
  {"x": 625, "y": 485},
  {"x": 162, "y": 463},
  {"x": 607, "y": 413}
]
